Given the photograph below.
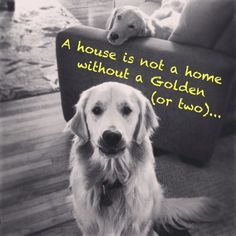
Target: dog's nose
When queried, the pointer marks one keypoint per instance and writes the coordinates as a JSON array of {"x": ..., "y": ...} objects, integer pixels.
[
  {"x": 111, "y": 138},
  {"x": 114, "y": 36}
]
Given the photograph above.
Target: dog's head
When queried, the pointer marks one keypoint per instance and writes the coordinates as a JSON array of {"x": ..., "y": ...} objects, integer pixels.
[
  {"x": 127, "y": 22},
  {"x": 113, "y": 117}
]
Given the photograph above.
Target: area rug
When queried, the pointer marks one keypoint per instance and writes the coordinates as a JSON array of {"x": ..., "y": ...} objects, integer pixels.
[
  {"x": 216, "y": 180},
  {"x": 27, "y": 47}
]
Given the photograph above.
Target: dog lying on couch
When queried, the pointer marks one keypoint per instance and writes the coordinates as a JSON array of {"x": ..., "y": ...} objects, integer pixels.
[
  {"x": 114, "y": 186},
  {"x": 128, "y": 22}
]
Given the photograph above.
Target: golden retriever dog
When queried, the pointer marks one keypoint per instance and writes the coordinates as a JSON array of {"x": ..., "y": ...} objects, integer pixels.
[
  {"x": 128, "y": 22},
  {"x": 114, "y": 186}
]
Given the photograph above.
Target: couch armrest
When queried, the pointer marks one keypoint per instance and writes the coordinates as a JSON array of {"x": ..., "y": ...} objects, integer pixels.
[{"x": 186, "y": 133}]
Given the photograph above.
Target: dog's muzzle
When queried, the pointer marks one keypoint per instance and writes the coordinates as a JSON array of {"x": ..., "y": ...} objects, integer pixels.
[{"x": 111, "y": 142}]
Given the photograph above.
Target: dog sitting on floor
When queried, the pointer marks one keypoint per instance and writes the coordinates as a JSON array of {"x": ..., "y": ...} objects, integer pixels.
[
  {"x": 114, "y": 186},
  {"x": 128, "y": 22}
]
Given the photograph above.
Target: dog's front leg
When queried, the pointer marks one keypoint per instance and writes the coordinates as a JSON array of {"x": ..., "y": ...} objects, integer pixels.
[
  {"x": 88, "y": 230},
  {"x": 84, "y": 217}
]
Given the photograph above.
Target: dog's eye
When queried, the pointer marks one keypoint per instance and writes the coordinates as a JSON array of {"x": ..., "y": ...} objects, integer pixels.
[
  {"x": 131, "y": 26},
  {"x": 97, "y": 110},
  {"x": 119, "y": 17},
  {"x": 126, "y": 110}
]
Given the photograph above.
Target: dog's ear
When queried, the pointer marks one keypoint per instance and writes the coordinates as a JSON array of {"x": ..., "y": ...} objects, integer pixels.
[
  {"x": 151, "y": 119},
  {"x": 147, "y": 121},
  {"x": 146, "y": 28},
  {"x": 111, "y": 19},
  {"x": 77, "y": 124}
]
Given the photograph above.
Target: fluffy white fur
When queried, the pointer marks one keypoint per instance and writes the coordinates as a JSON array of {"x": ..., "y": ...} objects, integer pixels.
[
  {"x": 128, "y": 21},
  {"x": 138, "y": 203}
]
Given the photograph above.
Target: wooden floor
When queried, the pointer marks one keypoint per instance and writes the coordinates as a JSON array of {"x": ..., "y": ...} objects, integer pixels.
[
  {"x": 34, "y": 168},
  {"x": 89, "y": 12},
  {"x": 95, "y": 12}
]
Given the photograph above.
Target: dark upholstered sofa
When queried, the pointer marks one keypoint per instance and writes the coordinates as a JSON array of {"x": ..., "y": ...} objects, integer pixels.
[{"x": 204, "y": 41}]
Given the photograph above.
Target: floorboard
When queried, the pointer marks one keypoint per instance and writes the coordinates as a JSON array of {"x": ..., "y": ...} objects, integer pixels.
[{"x": 34, "y": 195}]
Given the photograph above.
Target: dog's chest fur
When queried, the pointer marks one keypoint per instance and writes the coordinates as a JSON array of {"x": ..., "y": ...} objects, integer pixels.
[{"x": 132, "y": 205}]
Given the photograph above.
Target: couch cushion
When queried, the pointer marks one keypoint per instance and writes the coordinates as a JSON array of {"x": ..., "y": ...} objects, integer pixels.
[{"x": 203, "y": 22}]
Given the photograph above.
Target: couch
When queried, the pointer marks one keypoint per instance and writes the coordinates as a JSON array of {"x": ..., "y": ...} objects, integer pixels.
[{"x": 203, "y": 44}]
